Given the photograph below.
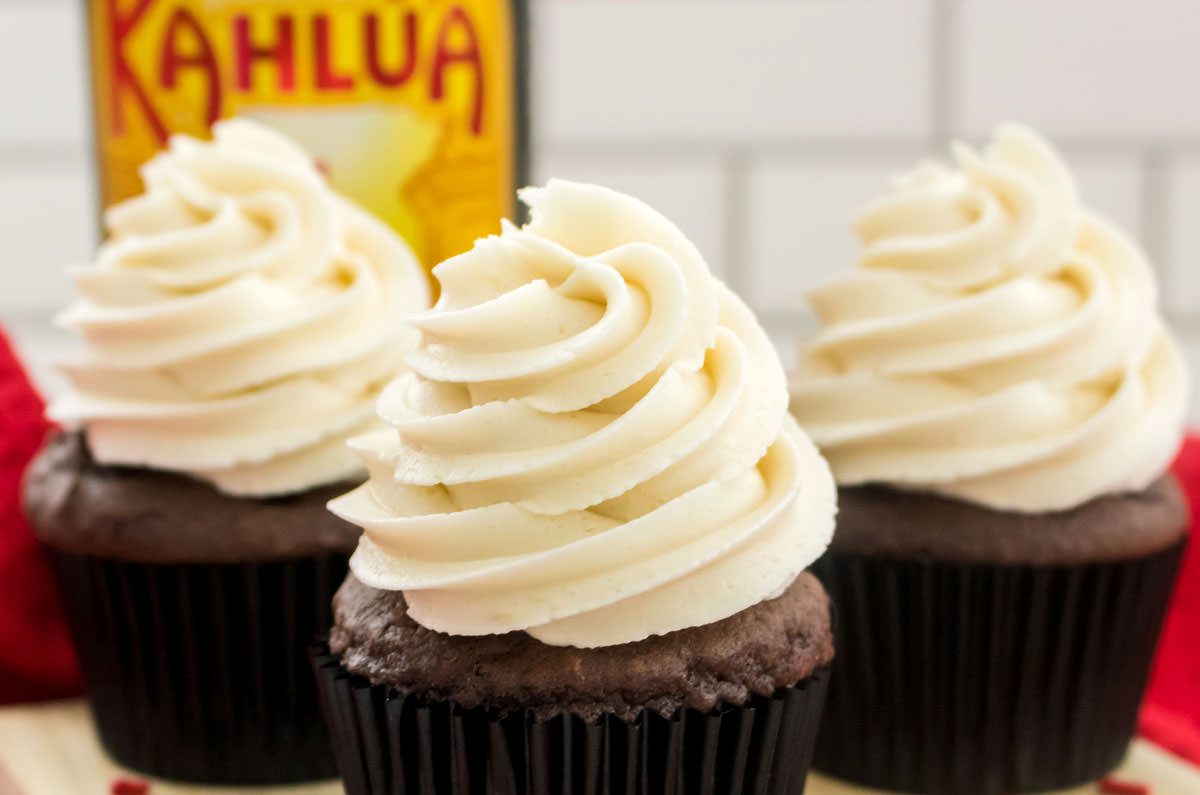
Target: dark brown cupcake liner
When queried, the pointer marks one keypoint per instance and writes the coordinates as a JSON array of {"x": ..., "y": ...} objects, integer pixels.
[
  {"x": 199, "y": 672},
  {"x": 987, "y": 678},
  {"x": 390, "y": 744}
]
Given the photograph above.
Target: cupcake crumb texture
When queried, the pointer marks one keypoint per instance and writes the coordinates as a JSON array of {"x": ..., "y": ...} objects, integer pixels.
[{"x": 771, "y": 645}]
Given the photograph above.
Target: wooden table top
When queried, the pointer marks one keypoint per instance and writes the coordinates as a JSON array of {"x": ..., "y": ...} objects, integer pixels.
[{"x": 51, "y": 749}]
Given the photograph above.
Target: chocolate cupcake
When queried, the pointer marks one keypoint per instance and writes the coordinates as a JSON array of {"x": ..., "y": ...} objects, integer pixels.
[
  {"x": 239, "y": 324},
  {"x": 999, "y": 401},
  {"x": 585, "y": 534}
]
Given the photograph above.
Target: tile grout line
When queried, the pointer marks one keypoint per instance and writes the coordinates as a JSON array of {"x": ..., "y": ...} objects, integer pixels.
[
  {"x": 1154, "y": 220},
  {"x": 667, "y": 149},
  {"x": 943, "y": 55},
  {"x": 1155, "y": 161},
  {"x": 43, "y": 155},
  {"x": 734, "y": 194}
]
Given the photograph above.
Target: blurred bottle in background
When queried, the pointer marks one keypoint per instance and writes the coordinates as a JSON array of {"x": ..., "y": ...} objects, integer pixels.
[{"x": 417, "y": 109}]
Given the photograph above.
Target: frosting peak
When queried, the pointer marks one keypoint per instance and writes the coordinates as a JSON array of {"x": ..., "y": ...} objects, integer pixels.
[
  {"x": 997, "y": 342},
  {"x": 240, "y": 320},
  {"x": 593, "y": 444}
]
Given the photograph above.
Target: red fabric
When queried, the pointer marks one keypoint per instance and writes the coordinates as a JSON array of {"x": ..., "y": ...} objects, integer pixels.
[
  {"x": 1171, "y": 711},
  {"x": 36, "y": 658}
]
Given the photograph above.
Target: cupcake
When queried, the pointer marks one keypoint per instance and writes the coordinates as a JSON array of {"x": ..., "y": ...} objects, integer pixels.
[
  {"x": 238, "y": 324},
  {"x": 999, "y": 400},
  {"x": 585, "y": 532}
]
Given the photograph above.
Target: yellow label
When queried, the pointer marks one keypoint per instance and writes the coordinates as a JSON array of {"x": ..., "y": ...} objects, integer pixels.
[{"x": 408, "y": 105}]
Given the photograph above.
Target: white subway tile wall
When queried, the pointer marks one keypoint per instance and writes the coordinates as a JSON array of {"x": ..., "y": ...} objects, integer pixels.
[
  {"x": 798, "y": 211},
  {"x": 758, "y": 124},
  {"x": 1182, "y": 208},
  {"x": 1085, "y": 68},
  {"x": 734, "y": 71},
  {"x": 1112, "y": 183},
  {"x": 47, "y": 222},
  {"x": 42, "y": 90}
]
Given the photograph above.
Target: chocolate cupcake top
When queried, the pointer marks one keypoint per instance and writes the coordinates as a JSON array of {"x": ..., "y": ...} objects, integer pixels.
[
  {"x": 593, "y": 445},
  {"x": 764, "y": 647},
  {"x": 997, "y": 342},
  {"x": 240, "y": 320},
  {"x": 877, "y": 520},
  {"x": 156, "y": 516}
]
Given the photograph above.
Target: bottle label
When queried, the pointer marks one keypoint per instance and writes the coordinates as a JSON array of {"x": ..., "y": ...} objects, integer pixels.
[{"x": 408, "y": 105}]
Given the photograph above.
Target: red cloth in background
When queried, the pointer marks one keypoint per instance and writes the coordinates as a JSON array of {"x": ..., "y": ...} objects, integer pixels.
[
  {"x": 36, "y": 658},
  {"x": 1171, "y": 711}
]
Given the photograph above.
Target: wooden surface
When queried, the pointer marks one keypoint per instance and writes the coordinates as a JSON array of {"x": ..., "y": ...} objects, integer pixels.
[
  {"x": 1161, "y": 772},
  {"x": 50, "y": 749}
]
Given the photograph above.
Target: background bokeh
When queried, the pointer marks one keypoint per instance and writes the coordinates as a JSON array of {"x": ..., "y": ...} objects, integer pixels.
[{"x": 758, "y": 125}]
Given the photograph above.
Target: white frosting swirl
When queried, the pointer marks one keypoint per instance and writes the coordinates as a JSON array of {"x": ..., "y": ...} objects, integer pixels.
[
  {"x": 997, "y": 342},
  {"x": 241, "y": 319},
  {"x": 594, "y": 444}
]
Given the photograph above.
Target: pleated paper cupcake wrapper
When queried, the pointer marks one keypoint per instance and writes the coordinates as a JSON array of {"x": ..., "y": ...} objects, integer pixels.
[
  {"x": 387, "y": 744},
  {"x": 987, "y": 679},
  {"x": 200, "y": 672}
]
